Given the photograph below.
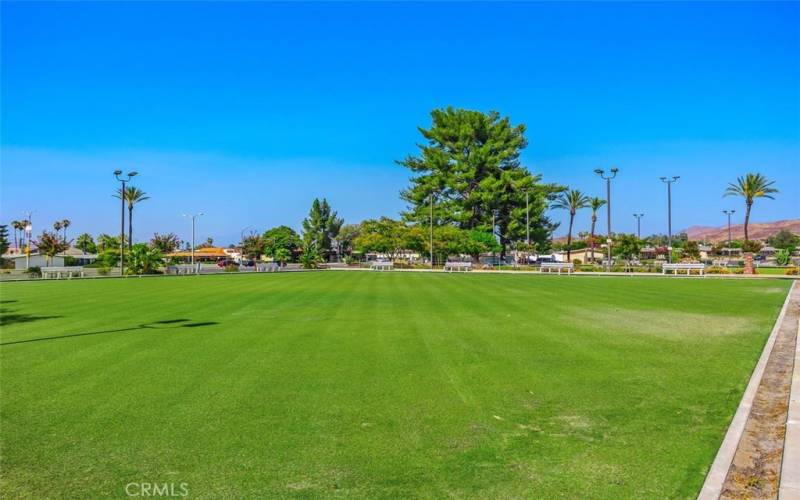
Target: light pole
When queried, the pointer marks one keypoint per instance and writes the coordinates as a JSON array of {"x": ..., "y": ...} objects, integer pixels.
[
  {"x": 638, "y": 225},
  {"x": 527, "y": 219},
  {"x": 131, "y": 175},
  {"x": 431, "y": 235},
  {"x": 28, "y": 234},
  {"x": 193, "y": 217},
  {"x": 607, "y": 178},
  {"x": 494, "y": 225},
  {"x": 729, "y": 213},
  {"x": 668, "y": 182}
]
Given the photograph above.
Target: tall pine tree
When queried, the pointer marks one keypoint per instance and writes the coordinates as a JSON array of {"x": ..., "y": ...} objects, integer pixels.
[
  {"x": 470, "y": 164},
  {"x": 321, "y": 227}
]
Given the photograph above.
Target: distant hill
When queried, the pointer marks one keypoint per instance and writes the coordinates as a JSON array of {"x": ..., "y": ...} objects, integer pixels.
[{"x": 758, "y": 230}]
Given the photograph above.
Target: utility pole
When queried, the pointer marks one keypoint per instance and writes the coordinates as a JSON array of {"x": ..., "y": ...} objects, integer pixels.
[
  {"x": 28, "y": 233},
  {"x": 668, "y": 182},
  {"x": 431, "y": 231},
  {"x": 729, "y": 213},
  {"x": 193, "y": 217},
  {"x": 131, "y": 175},
  {"x": 527, "y": 219},
  {"x": 608, "y": 178},
  {"x": 638, "y": 225}
]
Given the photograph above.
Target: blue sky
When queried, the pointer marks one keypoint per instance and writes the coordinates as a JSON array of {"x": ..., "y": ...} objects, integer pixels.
[{"x": 247, "y": 111}]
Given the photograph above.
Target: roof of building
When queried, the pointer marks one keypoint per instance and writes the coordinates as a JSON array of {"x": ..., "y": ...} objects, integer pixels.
[{"x": 207, "y": 252}]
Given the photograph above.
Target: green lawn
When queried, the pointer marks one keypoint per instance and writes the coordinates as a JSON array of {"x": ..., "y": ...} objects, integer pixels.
[{"x": 360, "y": 384}]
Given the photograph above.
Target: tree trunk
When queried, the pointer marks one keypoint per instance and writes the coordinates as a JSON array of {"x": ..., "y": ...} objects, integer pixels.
[
  {"x": 747, "y": 220},
  {"x": 569, "y": 237},
  {"x": 130, "y": 227}
]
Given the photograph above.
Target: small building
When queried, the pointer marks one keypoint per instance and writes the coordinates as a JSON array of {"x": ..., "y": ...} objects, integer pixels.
[
  {"x": 70, "y": 257},
  {"x": 202, "y": 254},
  {"x": 584, "y": 255}
]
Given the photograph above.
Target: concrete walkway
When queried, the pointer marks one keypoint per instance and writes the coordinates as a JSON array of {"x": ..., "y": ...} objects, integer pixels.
[{"x": 760, "y": 455}]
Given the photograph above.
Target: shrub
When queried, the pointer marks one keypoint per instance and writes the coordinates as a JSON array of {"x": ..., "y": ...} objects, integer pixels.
[
  {"x": 231, "y": 268},
  {"x": 34, "y": 272},
  {"x": 717, "y": 270},
  {"x": 103, "y": 270},
  {"x": 577, "y": 262},
  {"x": 793, "y": 271},
  {"x": 751, "y": 246}
]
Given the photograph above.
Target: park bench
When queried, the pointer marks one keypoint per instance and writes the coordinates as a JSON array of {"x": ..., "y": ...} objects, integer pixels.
[
  {"x": 684, "y": 266},
  {"x": 58, "y": 272},
  {"x": 184, "y": 269},
  {"x": 381, "y": 265},
  {"x": 556, "y": 266},
  {"x": 267, "y": 267},
  {"x": 458, "y": 266}
]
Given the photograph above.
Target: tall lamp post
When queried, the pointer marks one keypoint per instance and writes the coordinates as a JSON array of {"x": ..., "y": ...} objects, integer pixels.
[
  {"x": 638, "y": 225},
  {"x": 495, "y": 212},
  {"x": 28, "y": 234},
  {"x": 193, "y": 217},
  {"x": 608, "y": 178},
  {"x": 527, "y": 219},
  {"x": 431, "y": 235},
  {"x": 668, "y": 181},
  {"x": 123, "y": 180},
  {"x": 729, "y": 213}
]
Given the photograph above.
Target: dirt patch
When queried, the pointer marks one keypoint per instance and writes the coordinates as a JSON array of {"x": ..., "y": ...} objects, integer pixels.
[
  {"x": 755, "y": 471},
  {"x": 667, "y": 325}
]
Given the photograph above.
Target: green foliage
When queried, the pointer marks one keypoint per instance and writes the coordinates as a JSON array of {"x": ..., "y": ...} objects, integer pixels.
[
  {"x": 783, "y": 257},
  {"x": 51, "y": 244},
  {"x": 3, "y": 239},
  {"x": 470, "y": 164},
  {"x": 626, "y": 246},
  {"x": 385, "y": 236},
  {"x": 347, "y": 235},
  {"x": 310, "y": 258},
  {"x": 784, "y": 239},
  {"x": 86, "y": 243},
  {"x": 165, "y": 243},
  {"x": 253, "y": 246},
  {"x": 321, "y": 227},
  {"x": 751, "y": 246},
  {"x": 108, "y": 258},
  {"x": 691, "y": 250},
  {"x": 750, "y": 187},
  {"x": 34, "y": 272},
  {"x": 144, "y": 259},
  {"x": 281, "y": 239},
  {"x": 282, "y": 256}
]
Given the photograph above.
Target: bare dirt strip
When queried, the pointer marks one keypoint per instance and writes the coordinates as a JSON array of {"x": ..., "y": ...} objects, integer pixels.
[{"x": 755, "y": 471}]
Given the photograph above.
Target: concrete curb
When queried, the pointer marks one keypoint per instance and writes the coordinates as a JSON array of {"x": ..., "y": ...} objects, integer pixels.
[
  {"x": 712, "y": 487},
  {"x": 790, "y": 466}
]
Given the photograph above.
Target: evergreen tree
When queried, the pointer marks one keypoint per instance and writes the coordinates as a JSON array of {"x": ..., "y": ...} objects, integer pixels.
[
  {"x": 320, "y": 227},
  {"x": 470, "y": 165}
]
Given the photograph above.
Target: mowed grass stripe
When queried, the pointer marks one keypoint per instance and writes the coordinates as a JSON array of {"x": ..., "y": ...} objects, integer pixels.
[{"x": 375, "y": 384}]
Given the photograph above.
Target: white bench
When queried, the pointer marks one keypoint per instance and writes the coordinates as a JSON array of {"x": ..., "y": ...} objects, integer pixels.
[
  {"x": 184, "y": 269},
  {"x": 556, "y": 266},
  {"x": 381, "y": 265},
  {"x": 57, "y": 272},
  {"x": 684, "y": 266},
  {"x": 458, "y": 266},
  {"x": 268, "y": 267}
]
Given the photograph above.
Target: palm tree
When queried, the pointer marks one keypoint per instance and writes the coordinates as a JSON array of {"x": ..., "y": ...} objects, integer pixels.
[
  {"x": 85, "y": 242},
  {"x": 17, "y": 225},
  {"x": 65, "y": 224},
  {"x": 751, "y": 186},
  {"x": 132, "y": 196},
  {"x": 573, "y": 201},
  {"x": 57, "y": 225},
  {"x": 595, "y": 204}
]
